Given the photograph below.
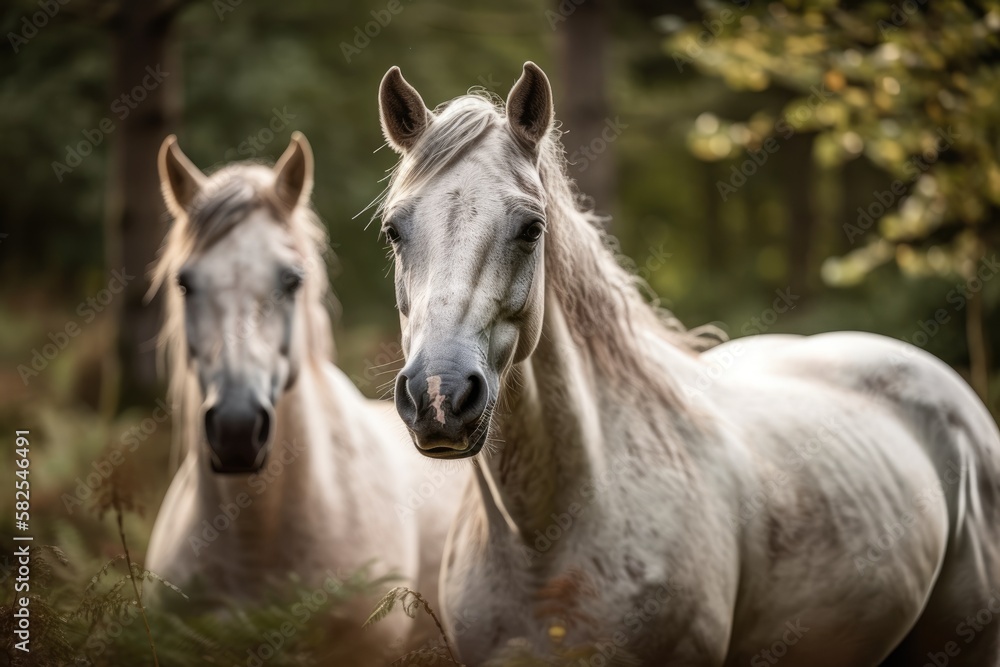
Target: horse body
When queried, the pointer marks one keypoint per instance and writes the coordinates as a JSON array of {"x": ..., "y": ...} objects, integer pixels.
[
  {"x": 890, "y": 510},
  {"x": 823, "y": 501},
  {"x": 289, "y": 470}
]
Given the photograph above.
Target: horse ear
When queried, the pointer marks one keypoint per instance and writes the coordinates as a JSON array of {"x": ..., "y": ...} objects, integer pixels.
[
  {"x": 293, "y": 178},
  {"x": 529, "y": 105},
  {"x": 180, "y": 180},
  {"x": 402, "y": 111}
]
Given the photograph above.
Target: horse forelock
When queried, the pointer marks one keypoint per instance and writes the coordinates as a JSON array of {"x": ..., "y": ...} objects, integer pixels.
[{"x": 230, "y": 197}]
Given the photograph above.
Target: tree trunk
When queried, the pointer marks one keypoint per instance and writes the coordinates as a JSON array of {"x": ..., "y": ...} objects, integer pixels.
[
  {"x": 800, "y": 181},
  {"x": 712, "y": 232},
  {"x": 144, "y": 82},
  {"x": 590, "y": 129},
  {"x": 975, "y": 333}
]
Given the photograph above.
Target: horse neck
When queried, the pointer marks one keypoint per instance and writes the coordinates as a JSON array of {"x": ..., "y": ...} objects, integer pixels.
[
  {"x": 552, "y": 444},
  {"x": 562, "y": 431}
]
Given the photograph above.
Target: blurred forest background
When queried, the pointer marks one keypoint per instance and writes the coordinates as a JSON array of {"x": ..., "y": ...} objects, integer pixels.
[{"x": 838, "y": 158}]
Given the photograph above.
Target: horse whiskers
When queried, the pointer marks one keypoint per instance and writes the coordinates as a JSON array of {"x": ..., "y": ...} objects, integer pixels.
[
  {"x": 389, "y": 363},
  {"x": 388, "y": 384},
  {"x": 487, "y": 416},
  {"x": 492, "y": 447}
]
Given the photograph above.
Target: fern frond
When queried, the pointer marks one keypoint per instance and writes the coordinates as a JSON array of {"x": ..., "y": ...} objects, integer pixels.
[
  {"x": 385, "y": 605},
  {"x": 425, "y": 657},
  {"x": 149, "y": 574},
  {"x": 411, "y": 601},
  {"x": 94, "y": 580}
]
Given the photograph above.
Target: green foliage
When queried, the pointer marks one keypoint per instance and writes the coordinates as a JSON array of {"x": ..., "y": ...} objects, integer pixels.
[
  {"x": 102, "y": 625},
  {"x": 51, "y": 640},
  {"x": 866, "y": 135},
  {"x": 913, "y": 91}
]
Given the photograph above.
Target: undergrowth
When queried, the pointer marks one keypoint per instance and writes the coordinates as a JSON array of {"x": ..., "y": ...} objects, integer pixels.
[
  {"x": 89, "y": 612},
  {"x": 517, "y": 653}
]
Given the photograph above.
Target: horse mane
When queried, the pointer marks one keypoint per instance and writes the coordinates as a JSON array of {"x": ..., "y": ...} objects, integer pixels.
[
  {"x": 228, "y": 198},
  {"x": 603, "y": 301}
]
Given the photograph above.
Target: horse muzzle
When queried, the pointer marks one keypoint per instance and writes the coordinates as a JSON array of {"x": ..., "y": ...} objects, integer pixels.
[
  {"x": 238, "y": 430},
  {"x": 446, "y": 407}
]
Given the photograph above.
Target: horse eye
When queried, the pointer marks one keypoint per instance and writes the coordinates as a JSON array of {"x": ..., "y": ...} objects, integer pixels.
[
  {"x": 391, "y": 233},
  {"x": 291, "y": 280},
  {"x": 533, "y": 231},
  {"x": 184, "y": 283}
]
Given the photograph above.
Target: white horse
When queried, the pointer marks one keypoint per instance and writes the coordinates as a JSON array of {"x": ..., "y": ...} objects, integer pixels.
[
  {"x": 289, "y": 469},
  {"x": 830, "y": 500}
]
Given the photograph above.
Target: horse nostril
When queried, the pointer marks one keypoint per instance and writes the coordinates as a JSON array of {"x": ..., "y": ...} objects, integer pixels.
[
  {"x": 262, "y": 427},
  {"x": 405, "y": 404},
  {"x": 471, "y": 398},
  {"x": 211, "y": 426}
]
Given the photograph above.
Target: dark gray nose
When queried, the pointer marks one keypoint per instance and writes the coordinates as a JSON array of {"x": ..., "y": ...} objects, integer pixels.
[
  {"x": 238, "y": 429},
  {"x": 442, "y": 404}
]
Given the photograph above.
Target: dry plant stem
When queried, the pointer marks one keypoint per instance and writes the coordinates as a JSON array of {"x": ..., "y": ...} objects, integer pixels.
[
  {"x": 447, "y": 644},
  {"x": 131, "y": 575}
]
